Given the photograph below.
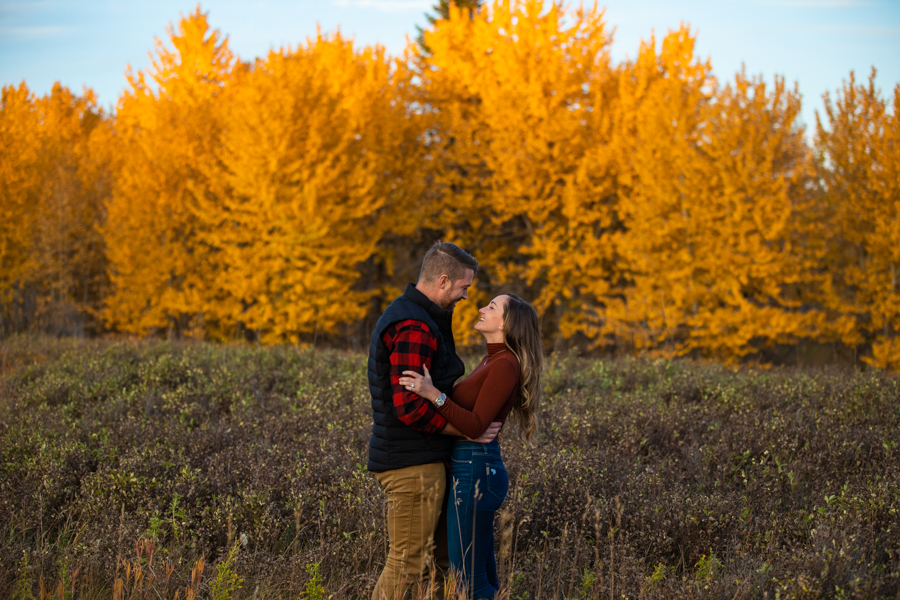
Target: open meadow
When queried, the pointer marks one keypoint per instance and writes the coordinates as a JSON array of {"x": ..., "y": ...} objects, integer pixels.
[{"x": 156, "y": 470}]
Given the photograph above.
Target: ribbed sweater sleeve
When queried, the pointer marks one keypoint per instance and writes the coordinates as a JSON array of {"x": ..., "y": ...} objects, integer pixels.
[{"x": 501, "y": 382}]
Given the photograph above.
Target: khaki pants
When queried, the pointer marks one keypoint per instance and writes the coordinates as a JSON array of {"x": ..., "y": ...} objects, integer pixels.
[{"x": 417, "y": 533}]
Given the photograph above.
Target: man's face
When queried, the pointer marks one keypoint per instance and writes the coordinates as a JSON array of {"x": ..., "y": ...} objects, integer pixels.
[{"x": 454, "y": 291}]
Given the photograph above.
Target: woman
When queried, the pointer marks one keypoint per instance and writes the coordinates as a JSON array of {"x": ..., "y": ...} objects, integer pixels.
[{"x": 507, "y": 383}]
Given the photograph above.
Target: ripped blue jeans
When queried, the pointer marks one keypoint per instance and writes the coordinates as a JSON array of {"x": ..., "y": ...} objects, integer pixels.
[{"x": 477, "y": 487}]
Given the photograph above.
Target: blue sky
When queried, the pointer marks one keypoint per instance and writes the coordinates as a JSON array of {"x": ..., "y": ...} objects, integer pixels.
[{"x": 813, "y": 42}]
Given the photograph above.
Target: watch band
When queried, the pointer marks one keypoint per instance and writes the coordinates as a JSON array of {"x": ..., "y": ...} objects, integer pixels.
[{"x": 440, "y": 400}]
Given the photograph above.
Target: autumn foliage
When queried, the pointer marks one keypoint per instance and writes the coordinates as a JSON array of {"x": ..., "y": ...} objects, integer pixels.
[{"x": 645, "y": 206}]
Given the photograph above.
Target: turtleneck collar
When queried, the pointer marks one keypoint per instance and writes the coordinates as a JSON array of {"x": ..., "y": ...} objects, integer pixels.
[{"x": 493, "y": 349}]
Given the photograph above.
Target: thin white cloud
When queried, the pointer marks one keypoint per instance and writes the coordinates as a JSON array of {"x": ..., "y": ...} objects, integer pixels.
[
  {"x": 387, "y": 5},
  {"x": 8, "y": 6},
  {"x": 818, "y": 3},
  {"x": 857, "y": 29},
  {"x": 33, "y": 33}
]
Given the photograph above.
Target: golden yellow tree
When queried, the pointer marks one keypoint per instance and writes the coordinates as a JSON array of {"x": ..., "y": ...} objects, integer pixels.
[
  {"x": 520, "y": 95},
  {"x": 709, "y": 178},
  {"x": 859, "y": 147},
  {"x": 19, "y": 148},
  {"x": 317, "y": 164},
  {"x": 163, "y": 275},
  {"x": 73, "y": 189},
  {"x": 51, "y": 254}
]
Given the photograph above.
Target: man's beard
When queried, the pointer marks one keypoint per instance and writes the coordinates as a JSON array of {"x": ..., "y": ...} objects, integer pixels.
[{"x": 447, "y": 302}]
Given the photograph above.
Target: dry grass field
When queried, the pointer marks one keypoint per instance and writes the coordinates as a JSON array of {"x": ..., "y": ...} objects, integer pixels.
[{"x": 160, "y": 470}]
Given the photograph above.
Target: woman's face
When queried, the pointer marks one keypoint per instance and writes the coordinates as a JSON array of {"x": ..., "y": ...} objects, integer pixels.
[{"x": 491, "y": 320}]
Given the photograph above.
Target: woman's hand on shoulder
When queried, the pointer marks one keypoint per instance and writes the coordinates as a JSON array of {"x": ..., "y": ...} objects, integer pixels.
[{"x": 420, "y": 384}]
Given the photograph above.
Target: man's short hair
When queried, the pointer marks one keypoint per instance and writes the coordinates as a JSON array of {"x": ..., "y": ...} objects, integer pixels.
[{"x": 444, "y": 258}]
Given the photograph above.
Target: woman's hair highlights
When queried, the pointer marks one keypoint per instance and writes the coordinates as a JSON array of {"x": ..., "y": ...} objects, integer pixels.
[{"x": 523, "y": 338}]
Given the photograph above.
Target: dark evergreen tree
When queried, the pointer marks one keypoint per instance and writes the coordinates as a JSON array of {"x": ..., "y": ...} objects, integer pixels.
[{"x": 442, "y": 11}]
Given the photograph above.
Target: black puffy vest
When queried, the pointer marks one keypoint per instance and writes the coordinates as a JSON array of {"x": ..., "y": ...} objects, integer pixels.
[{"x": 394, "y": 444}]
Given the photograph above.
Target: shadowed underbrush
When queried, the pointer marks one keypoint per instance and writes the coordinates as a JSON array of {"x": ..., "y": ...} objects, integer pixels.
[{"x": 154, "y": 469}]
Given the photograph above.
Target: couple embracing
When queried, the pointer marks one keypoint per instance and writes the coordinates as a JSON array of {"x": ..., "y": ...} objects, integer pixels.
[{"x": 433, "y": 447}]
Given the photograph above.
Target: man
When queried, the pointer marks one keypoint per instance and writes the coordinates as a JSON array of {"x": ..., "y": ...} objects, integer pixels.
[{"x": 410, "y": 440}]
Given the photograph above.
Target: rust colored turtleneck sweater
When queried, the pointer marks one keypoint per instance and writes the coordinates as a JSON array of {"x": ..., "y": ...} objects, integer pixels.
[{"x": 486, "y": 395}]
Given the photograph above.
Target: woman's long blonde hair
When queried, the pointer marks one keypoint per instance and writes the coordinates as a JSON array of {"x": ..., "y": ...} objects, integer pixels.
[{"x": 523, "y": 338}]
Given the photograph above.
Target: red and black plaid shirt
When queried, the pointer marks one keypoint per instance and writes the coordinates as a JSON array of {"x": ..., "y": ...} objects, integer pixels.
[{"x": 411, "y": 345}]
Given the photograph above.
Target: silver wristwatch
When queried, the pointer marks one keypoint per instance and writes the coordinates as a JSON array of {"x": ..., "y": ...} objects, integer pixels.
[{"x": 439, "y": 401}]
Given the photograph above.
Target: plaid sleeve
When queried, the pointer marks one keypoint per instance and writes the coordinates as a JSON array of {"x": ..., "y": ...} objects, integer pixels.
[{"x": 412, "y": 345}]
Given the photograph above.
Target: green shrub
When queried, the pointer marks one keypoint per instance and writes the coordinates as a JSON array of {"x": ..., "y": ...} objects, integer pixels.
[{"x": 226, "y": 581}]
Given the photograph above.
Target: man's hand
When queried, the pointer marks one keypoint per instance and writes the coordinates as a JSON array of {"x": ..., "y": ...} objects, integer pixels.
[{"x": 489, "y": 434}]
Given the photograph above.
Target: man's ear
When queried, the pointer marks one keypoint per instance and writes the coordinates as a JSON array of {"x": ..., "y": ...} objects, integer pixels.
[{"x": 444, "y": 282}]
